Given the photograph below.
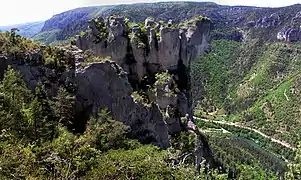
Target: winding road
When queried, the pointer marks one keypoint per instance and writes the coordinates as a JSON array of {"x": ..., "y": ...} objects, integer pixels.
[{"x": 283, "y": 143}]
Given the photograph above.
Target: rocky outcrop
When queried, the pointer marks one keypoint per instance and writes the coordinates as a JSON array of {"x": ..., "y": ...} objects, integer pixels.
[
  {"x": 296, "y": 21},
  {"x": 173, "y": 104},
  {"x": 105, "y": 85},
  {"x": 290, "y": 27},
  {"x": 142, "y": 52},
  {"x": 33, "y": 70},
  {"x": 293, "y": 32},
  {"x": 153, "y": 60},
  {"x": 289, "y": 35},
  {"x": 268, "y": 21},
  {"x": 163, "y": 52}
]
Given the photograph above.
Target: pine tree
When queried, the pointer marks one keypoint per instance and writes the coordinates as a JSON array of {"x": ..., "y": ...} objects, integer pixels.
[
  {"x": 14, "y": 96},
  {"x": 43, "y": 122},
  {"x": 64, "y": 107}
]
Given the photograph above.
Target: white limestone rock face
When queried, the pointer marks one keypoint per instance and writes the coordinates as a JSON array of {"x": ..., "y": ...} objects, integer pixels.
[
  {"x": 160, "y": 53},
  {"x": 293, "y": 32},
  {"x": 269, "y": 21},
  {"x": 115, "y": 45},
  {"x": 173, "y": 104},
  {"x": 169, "y": 48},
  {"x": 149, "y": 22},
  {"x": 105, "y": 85}
]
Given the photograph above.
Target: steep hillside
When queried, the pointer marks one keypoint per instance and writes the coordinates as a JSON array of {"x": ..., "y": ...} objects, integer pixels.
[
  {"x": 267, "y": 23},
  {"x": 68, "y": 24},
  {"x": 72, "y": 22},
  {"x": 254, "y": 83}
]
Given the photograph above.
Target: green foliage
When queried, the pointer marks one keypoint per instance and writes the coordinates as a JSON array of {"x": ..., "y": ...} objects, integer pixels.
[
  {"x": 103, "y": 31},
  {"x": 184, "y": 141},
  {"x": 237, "y": 148},
  {"x": 142, "y": 163},
  {"x": 47, "y": 37},
  {"x": 58, "y": 58},
  {"x": 256, "y": 83},
  {"x": 13, "y": 44},
  {"x": 137, "y": 97},
  {"x": 41, "y": 122},
  {"x": 247, "y": 172},
  {"x": 253, "y": 82},
  {"x": 64, "y": 107},
  {"x": 214, "y": 70},
  {"x": 93, "y": 59},
  {"x": 294, "y": 171},
  {"x": 14, "y": 98},
  {"x": 162, "y": 78},
  {"x": 141, "y": 38}
]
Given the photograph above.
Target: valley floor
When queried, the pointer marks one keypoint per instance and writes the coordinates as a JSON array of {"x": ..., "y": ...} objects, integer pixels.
[{"x": 282, "y": 143}]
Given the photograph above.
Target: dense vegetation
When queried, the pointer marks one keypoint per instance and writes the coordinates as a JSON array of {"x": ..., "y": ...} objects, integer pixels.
[
  {"x": 252, "y": 82},
  {"x": 235, "y": 146},
  {"x": 257, "y": 84},
  {"x": 295, "y": 168},
  {"x": 36, "y": 143}
]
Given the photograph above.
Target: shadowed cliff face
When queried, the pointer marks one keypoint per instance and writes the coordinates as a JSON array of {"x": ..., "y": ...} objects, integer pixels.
[
  {"x": 154, "y": 60},
  {"x": 105, "y": 85}
]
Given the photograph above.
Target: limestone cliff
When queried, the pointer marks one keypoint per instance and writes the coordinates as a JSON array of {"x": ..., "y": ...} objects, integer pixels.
[
  {"x": 31, "y": 66},
  {"x": 157, "y": 49},
  {"x": 291, "y": 33},
  {"x": 154, "y": 60},
  {"x": 105, "y": 85}
]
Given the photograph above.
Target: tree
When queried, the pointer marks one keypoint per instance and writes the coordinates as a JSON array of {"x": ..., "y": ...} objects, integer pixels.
[
  {"x": 13, "y": 35},
  {"x": 64, "y": 107},
  {"x": 294, "y": 170},
  {"x": 14, "y": 96},
  {"x": 43, "y": 122}
]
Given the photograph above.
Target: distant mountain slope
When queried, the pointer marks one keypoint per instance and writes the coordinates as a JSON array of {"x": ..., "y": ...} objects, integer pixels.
[
  {"x": 264, "y": 22},
  {"x": 68, "y": 24},
  {"x": 63, "y": 20},
  {"x": 27, "y": 29}
]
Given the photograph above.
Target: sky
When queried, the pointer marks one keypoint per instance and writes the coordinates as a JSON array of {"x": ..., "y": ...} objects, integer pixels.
[{"x": 21, "y": 11}]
